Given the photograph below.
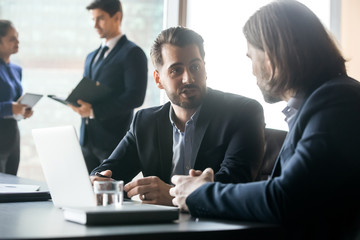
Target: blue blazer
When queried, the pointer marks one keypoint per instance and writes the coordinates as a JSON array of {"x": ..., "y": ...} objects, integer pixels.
[
  {"x": 125, "y": 71},
  {"x": 316, "y": 179},
  {"x": 10, "y": 91},
  {"x": 228, "y": 138},
  {"x": 10, "y": 87}
]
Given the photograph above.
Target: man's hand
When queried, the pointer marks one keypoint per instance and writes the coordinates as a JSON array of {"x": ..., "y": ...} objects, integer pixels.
[
  {"x": 107, "y": 173},
  {"x": 84, "y": 110},
  {"x": 185, "y": 185},
  {"x": 151, "y": 189}
]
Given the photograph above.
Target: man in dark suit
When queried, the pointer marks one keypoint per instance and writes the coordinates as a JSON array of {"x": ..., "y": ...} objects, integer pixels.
[
  {"x": 120, "y": 65},
  {"x": 315, "y": 183},
  {"x": 199, "y": 127}
]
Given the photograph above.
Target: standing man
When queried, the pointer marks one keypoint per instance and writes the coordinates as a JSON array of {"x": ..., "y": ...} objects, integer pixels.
[
  {"x": 120, "y": 65},
  {"x": 199, "y": 127},
  {"x": 315, "y": 183}
]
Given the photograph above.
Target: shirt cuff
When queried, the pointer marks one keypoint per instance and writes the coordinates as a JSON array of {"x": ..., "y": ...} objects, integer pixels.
[{"x": 92, "y": 116}]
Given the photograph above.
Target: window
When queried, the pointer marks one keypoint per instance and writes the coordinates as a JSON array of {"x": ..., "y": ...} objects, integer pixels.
[
  {"x": 55, "y": 37},
  {"x": 228, "y": 68}
]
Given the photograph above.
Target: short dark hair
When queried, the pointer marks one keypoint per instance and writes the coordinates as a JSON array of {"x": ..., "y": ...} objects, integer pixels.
[
  {"x": 109, "y": 6},
  {"x": 301, "y": 51},
  {"x": 5, "y": 25},
  {"x": 178, "y": 36}
]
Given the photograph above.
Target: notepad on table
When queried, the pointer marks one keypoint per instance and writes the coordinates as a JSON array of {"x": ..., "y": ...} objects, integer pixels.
[
  {"x": 17, "y": 188},
  {"x": 22, "y": 193}
]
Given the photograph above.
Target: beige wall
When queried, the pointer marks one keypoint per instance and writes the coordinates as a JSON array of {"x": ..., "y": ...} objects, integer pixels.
[{"x": 350, "y": 36}]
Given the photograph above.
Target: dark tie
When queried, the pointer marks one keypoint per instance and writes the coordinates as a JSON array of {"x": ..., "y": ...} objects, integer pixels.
[{"x": 96, "y": 65}]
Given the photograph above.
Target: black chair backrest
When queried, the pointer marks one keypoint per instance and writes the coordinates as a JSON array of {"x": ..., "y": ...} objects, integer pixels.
[{"x": 274, "y": 139}]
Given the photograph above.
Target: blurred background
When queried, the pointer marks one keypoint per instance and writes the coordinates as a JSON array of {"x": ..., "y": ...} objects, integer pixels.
[{"x": 56, "y": 36}]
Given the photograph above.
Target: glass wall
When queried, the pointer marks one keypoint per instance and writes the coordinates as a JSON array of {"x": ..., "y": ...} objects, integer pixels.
[
  {"x": 55, "y": 37},
  {"x": 228, "y": 68}
]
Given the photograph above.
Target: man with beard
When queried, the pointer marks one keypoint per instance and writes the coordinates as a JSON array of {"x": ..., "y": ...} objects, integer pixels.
[
  {"x": 314, "y": 188},
  {"x": 198, "y": 128}
]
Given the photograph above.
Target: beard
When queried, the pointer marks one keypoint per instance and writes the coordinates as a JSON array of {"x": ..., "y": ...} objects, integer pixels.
[
  {"x": 269, "y": 97},
  {"x": 266, "y": 90},
  {"x": 190, "y": 102}
]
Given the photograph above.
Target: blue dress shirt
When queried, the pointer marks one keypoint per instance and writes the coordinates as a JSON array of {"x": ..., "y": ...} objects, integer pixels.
[
  {"x": 291, "y": 109},
  {"x": 182, "y": 145}
]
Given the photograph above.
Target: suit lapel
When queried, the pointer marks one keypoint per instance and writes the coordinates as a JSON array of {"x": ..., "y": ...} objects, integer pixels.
[
  {"x": 2, "y": 75},
  {"x": 276, "y": 171},
  {"x": 200, "y": 129},
  {"x": 165, "y": 142},
  {"x": 289, "y": 137},
  {"x": 117, "y": 48},
  {"x": 202, "y": 124},
  {"x": 88, "y": 70},
  {"x": 113, "y": 52}
]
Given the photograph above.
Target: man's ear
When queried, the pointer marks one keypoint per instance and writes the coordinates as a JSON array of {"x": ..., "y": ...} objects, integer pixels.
[
  {"x": 205, "y": 72},
  {"x": 268, "y": 65},
  {"x": 157, "y": 79},
  {"x": 118, "y": 17}
]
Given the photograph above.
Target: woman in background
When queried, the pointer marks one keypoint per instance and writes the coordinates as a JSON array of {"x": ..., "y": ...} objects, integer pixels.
[{"x": 10, "y": 91}]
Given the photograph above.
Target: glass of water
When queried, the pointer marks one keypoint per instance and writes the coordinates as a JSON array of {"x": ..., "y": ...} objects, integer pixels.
[{"x": 109, "y": 192}]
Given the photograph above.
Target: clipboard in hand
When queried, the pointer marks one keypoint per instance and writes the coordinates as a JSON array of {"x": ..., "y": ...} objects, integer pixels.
[
  {"x": 86, "y": 90},
  {"x": 29, "y": 99}
]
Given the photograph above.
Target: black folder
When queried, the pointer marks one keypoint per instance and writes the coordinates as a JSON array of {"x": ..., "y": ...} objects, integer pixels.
[
  {"x": 15, "y": 189},
  {"x": 86, "y": 90},
  {"x": 25, "y": 196}
]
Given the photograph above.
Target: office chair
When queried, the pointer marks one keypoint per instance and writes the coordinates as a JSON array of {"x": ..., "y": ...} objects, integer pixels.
[{"x": 274, "y": 139}]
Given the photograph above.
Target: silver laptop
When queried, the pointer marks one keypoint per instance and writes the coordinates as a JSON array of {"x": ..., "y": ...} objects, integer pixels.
[{"x": 68, "y": 180}]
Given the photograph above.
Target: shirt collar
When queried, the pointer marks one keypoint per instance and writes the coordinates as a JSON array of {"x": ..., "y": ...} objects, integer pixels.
[
  {"x": 111, "y": 42},
  {"x": 293, "y": 107},
  {"x": 193, "y": 118}
]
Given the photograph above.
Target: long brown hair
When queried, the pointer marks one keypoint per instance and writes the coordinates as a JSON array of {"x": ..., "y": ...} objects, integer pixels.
[{"x": 302, "y": 53}]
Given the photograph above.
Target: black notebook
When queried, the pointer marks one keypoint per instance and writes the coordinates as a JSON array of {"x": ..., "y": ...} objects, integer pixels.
[
  {"x": 14, "y": 189},
  {"x": 86, "y": 90},
  {"x": 25, "y": 196}
]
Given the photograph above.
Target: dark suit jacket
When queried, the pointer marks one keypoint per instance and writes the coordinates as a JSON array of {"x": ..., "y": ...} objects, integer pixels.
[
  {"x": 125, "y": 71},
  {"x": 228, "y": 138},
  {"x": 316, "y": 179}
]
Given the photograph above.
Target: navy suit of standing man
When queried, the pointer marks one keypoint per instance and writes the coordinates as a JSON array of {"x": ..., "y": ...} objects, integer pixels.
[
  {"x": 315, "y": 186},
  {"x": 120, "y": 65}
]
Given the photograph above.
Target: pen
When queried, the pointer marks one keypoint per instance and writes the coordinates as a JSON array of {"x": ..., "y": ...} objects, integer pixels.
[{"x": 100, "y": 175}]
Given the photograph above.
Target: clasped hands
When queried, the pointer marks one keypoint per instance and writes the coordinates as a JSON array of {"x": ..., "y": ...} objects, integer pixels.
[
  {"x": 185, "y": 185},
  {"x": 153, "y": 190}
]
